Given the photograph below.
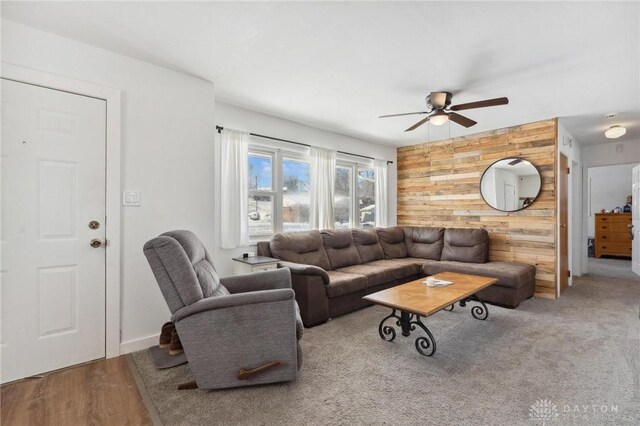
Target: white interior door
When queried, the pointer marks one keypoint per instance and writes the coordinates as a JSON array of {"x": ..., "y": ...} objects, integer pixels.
[
  {"x": 53, "y": 184},
  {"x": 635, "y": 221},
  {"x": 510, "y": 197}
]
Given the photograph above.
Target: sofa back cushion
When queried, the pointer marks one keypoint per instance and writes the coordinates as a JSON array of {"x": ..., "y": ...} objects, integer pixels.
[
  {"x": 341, "y": 251},
  {"x": 466, "y": 245},
  {"x": 392, "y": 242},
  {"x": 300, "y": 247},
  {"x": 368, "y": 245},
  {"x": 425, "y": 243},
  {"x": 263, "y": 249}
]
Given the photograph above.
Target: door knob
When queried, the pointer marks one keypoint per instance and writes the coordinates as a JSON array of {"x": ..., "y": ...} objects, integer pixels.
[{"x": 96, "y": 243}]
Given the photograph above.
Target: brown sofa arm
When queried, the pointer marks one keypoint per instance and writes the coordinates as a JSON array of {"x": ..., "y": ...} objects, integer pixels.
[{"x": 301, "y": 269}]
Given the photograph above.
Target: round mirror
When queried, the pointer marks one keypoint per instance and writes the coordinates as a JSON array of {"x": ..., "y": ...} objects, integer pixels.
[{"x": 510, "y": 184}]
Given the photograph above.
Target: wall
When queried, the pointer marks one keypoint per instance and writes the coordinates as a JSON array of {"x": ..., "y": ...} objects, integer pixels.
[
  {"x": 606, "y": 154},
  {"x": 611, "y": 153},
  {"x": 608, "y": 187},
  {"x": 438, "y": 185},
  {"x": 167, "y": 153},
  {"x": 234, "y": 117}
]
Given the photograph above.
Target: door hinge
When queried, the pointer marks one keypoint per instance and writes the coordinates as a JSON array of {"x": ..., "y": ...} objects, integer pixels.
[
  {"x": 569, "y": 274},
  {"x": 568, "y": 170}
]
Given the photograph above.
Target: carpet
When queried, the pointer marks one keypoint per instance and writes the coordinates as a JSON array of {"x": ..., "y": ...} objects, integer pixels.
[{"x": 569, "y": 361}]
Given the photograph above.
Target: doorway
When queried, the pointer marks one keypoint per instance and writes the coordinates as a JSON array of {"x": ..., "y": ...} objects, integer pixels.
[
  {"x": 608, "y": 233},
  {"x": 53, "y": 230},
  {"x": 564, "y": 222}
]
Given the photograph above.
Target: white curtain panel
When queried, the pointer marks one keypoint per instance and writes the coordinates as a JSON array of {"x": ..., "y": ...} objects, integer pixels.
[
  {"x": 234, "y": 192},
  {"x": 380, "y": 168},
  {"x": 323, "y": 176}
]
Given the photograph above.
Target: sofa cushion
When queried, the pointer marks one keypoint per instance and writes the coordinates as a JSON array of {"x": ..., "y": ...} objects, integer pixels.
[
  {"x": 405, "y": 269},
  {"x": 392, "y": 242},
  {"x": 368, "y": 245},
  {"x": 341, "y": 283},
  {"x": 466, "y": 245},
  {"x": 509, "y": 274},
  {"x": 375, "y": 274},
  {"x": 300, "y": 247},
  {"x": 340, "y": 248},
  {"x": 424, "y": 243},
  {"x": 413, "y": 261}
]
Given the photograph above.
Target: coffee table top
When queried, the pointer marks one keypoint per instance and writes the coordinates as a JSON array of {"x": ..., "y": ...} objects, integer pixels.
[{"x": 415, "y": 297}]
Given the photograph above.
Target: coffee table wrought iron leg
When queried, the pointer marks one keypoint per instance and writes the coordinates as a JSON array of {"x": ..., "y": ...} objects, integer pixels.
[
  {"x": 449, "y": 308},
  {"x": 425, "y": 345},
  {"x": 387, "y": 332},
  {"x": 480, "y": 312},
  {"x": 405, "y": 323}
]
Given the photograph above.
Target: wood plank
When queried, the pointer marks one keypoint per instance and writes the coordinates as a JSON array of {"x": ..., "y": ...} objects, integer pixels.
[{"x": 101, "y": 392}]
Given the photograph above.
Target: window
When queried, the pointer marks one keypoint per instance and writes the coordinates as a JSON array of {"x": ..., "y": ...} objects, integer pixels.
[
  {"x": 296, "y": 184},
  {"x": 366, "y": 198},
  {"x": 280, "y": 189},
  {"x": 343, "y": 200},
  {"x": 279, "y": 192},
  {"x": 261, "y": 194},
  {"x": 358, "y": 211}
]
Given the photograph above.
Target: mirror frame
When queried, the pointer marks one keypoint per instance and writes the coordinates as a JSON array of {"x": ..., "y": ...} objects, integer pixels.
[{"x": 502, "y": 159}]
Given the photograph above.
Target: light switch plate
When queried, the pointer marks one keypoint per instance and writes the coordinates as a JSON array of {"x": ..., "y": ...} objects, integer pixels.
[{"x": 131, "y": 198}]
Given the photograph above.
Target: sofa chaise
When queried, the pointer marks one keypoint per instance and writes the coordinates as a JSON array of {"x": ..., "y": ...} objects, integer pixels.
[{"x": 332, "y": 270}]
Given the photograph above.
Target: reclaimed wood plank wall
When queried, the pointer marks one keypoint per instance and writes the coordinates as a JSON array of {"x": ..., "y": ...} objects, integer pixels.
[{"x": 439, "y": 185}]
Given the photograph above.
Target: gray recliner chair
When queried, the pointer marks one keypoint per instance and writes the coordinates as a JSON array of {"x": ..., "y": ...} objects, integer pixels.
[{"x": 236, "y": 331}]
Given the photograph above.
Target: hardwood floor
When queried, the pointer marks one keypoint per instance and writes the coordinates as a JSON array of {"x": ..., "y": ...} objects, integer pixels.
[{"x": 102, "y": 392}]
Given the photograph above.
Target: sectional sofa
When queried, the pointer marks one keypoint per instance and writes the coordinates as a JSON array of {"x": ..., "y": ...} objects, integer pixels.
[{"x": 333, "y": 269}]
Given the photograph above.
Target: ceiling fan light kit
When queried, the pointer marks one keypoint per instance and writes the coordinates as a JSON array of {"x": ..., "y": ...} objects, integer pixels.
[
  {"x": 439, "y": 110},
  {"x": 439, "y": 118},
  {"x": 614, "y": 132}
]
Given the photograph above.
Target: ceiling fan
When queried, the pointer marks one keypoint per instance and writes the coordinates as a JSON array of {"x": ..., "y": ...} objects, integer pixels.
[{"x": 440, "y": 110}]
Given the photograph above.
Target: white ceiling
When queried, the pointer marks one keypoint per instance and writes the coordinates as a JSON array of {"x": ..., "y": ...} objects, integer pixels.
[{"x": 338, "y": 65}]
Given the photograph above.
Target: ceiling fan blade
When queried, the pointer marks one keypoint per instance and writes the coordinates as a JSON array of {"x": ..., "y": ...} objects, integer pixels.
[
  {"x": 461, "y": 120},
  {"x": 514, "y": 162},
  {"x": 404, "y": 113},
  {"x": 418, "y": 124},
  {"x": 481, "y": 104}
]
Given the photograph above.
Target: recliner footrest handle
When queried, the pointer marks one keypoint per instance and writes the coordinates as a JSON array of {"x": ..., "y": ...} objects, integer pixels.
[{"x": 248, "y": 373}]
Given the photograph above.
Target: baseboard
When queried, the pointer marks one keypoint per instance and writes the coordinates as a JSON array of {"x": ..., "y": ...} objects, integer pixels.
[
  {"x": 546, "y": 295},
  {"x": 139, "y": 344}
]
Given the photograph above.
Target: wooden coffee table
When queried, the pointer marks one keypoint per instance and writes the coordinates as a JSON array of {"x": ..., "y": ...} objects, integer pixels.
[{"x": 415, "y": 300}]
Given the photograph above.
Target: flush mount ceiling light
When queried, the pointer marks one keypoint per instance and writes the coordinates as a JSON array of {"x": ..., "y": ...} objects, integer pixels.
[
  {"x": 439, "y": 118},
  {"x": 615, "y": 132}
]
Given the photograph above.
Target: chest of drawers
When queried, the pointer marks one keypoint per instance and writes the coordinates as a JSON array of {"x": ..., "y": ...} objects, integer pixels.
[{"x": 613, "y": 235}]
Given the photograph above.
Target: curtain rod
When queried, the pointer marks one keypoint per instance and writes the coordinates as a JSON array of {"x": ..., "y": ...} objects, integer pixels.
[{"x": 220, "y": 129}]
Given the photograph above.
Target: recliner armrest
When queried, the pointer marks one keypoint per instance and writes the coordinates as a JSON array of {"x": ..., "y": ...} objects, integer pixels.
[
  {"x": 256, "y": 281},
  {"x": 233, "y": 300},
  {"x": 302, "y": 269}
]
